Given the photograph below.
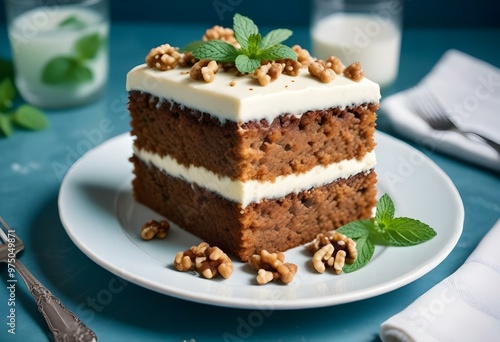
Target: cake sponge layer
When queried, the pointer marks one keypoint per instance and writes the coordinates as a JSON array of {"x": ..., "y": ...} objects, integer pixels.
[
  {"x": 274, "y": 225},
  {"x": 256, "y": 150}
]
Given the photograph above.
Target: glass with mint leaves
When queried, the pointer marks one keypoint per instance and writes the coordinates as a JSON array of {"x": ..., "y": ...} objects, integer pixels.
[{"x": 59, "y": 50}]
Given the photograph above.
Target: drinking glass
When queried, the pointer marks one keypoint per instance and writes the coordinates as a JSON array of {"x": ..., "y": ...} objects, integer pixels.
[
  {"x": 368, "y": 31},
  {"x": 59, "y": 50}
]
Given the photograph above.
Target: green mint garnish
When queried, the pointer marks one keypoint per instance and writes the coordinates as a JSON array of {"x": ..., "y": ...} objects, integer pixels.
[
  {"x": 30, "y": 117},
  {"x": 5, "y": 125},
  {"x": 384, "y": 229},
  {"x": 73, "y": 69},
  {"x": 25, "y": 115},
  {"x": 6, "y": 69},
  {"x": 72, "y": 22},
  {"x": 253, "y": 47},
  {"x": 7, "y": 93}
]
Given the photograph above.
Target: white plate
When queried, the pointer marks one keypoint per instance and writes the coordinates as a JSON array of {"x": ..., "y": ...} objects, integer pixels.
[{"x": 99, "y": 214}]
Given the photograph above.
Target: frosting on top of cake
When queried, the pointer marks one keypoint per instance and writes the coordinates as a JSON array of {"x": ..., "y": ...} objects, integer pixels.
[{"x": 242, "y": 99}]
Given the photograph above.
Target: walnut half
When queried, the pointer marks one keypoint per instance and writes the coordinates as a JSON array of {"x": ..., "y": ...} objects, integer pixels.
[
  {"x": 163, "y": 57},
  {"x": 334, "y": 250},
  {"x": 154, "y": 229},
  {"x": 272, "y": 267},
  {"x": 206, "y": 260}
]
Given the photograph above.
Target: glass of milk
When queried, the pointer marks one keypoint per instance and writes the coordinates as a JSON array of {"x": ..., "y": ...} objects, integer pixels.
[
  {"x": 59, "y": 49},
  {"x": 368, "y": 31}
]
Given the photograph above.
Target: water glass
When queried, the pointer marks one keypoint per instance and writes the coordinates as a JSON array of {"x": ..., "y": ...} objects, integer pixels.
[
  {"x": 59, "y": 50},
  {"x": 368, "y": 31}
]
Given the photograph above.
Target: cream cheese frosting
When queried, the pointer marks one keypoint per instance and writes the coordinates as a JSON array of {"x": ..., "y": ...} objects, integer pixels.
[
  {"x": 246, "y": 100},
  {"x": 252, "y": 191}
]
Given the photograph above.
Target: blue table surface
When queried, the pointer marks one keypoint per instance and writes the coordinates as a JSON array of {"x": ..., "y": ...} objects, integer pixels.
[{"x": 29, "y": 185}]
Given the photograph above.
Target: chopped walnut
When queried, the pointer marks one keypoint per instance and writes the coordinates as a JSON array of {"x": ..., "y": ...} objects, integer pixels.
[
  {"x": 271, "y": 267},
  {"x": 335, "y": 64},
  {"x": 227, "y": 66},
  {"x": 334, "y": 250},
  {"x": 204, "y": 70},
  {"x": 221, "y": 33},
  {"x": 303, "y": 56},
  {"x": 267, "y": 73},
  {"x": 154, "y": 229},
  {"x": 208, "y": 261},
  {"x": 354, "y": 72},
  {"x": 322, "y": 72},
  {"x": 163, "y": 57},
  {"x": 291, "y": 67},
  {"x": 187, "y": 59}
]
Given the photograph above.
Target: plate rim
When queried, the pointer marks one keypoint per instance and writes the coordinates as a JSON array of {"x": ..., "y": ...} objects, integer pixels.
[{"x": 251, "y": 303}]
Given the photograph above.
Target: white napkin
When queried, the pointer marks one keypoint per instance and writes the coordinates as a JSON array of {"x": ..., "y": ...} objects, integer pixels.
[
  {"x": 469, "y": 89},
  {"x": 463, "y": 307}
]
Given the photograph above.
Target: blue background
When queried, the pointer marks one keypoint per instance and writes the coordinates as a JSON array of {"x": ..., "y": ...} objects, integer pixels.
[
  {"x": 29, "y": 186},
  {"x": 429, "y": 13}
]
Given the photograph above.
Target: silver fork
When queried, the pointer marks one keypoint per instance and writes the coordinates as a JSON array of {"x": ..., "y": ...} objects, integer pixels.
[
  {"x": 64, "y": 325},
  {"x": 428, "y": 107}
]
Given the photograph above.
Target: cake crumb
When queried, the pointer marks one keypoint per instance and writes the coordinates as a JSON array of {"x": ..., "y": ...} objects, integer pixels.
[{"x": 232, "y": 83}]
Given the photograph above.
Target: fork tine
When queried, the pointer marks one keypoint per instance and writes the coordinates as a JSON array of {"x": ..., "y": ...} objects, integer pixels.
[{"x": 434, "y": 106}]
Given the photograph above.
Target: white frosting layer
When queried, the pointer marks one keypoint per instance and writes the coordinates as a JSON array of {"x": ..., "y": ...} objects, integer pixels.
[
  {"x": 247, "y": 100},
  {"x": 255, "y": 191}
]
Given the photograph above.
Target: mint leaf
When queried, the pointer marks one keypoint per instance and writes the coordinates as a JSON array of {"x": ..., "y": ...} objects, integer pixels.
[
  {"x": 191, "y": 46},
  {"x": 65, "y": 70},
  {"x": 216, "y": 50},
  {"x": 245, "y": 64},
  {"x": 30, "y": 117},
  {"x": 72, "y": 22},
  {"x": 6, "y": 69},
  {"x": 385, "y": 211},
  {"x": 357, "y": 229},
  {"x": 5, "y": 125},
  {"x": 81, "y": 73},
  {"x": 403, "y": 231},
  {"x": 275, "y": 37},
  {"x": 278, "y": 52},
  {"x": 253, "y": 48},
  {"x": 365, "y": 248},
  {"x": 87, "y": 47},
  {"x": 7, "y": 93},
  {"x": 253, "y": 45},
  {"x": 243, "y": 27}
]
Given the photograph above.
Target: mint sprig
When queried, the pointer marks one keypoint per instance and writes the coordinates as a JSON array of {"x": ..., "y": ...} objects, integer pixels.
[
  {"x": 253, "y": 47},
  {"x": 384, "y": 229},
  {"x": 25, "y": 116}
]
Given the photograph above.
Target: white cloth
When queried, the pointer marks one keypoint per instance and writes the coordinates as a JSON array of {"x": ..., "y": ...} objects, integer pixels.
[
  {"x": 469, "y": 90},
  {"x": 463, "y": 307}
]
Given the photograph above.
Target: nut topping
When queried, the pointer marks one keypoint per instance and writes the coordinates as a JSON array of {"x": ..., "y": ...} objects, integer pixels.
[
  {"x": 163, "y": 57},
  {"x": 271, "y": 267},
  {"x": 204, "y": 70},
  {"x": 354, "y": 72},
  {"x": 332, "y": 249},
  {"x": 206, "y": 260},
  {"x": 154, "y": 229}
]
